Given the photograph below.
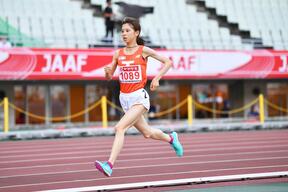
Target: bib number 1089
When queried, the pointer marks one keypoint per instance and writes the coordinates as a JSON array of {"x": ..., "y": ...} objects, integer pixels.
[{"x": 130, "y": 74}]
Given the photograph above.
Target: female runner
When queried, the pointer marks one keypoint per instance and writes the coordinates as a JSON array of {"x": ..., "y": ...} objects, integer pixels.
[{"x": 132, "y": 63}]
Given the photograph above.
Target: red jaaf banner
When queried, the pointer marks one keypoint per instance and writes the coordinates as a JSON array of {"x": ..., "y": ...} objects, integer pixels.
[{"x": 75, "y": 64}]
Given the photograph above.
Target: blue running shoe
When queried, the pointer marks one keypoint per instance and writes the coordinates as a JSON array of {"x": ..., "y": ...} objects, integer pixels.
[
  {"x": 103, "y": 168},
  {"x": 177, "y": 145}
]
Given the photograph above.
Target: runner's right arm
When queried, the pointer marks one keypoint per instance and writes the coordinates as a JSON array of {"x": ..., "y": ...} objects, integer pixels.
[{"x": 110, "y": 69}]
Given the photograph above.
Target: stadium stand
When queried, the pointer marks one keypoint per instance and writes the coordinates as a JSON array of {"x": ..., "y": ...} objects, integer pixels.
[
  {"x": 185, "y": 24},
  {"x": 56, "y": 23},
  {"x": 262, "y": 20}
]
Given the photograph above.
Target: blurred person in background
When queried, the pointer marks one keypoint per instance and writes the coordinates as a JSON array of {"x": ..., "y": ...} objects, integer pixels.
[
  {"x": 109, "y": 22},
  {"x": 132, "y": 63},
  {"x": 154, "y": 109},
  {"x": 254, "y": 111},
  {"x": 4, "y": 43},
  {"x": 226, "y": 108}
]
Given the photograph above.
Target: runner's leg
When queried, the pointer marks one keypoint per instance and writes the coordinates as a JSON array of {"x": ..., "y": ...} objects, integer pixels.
[
  {"x": 149, "y": 132},
  {"x": 130, "y": 117}
]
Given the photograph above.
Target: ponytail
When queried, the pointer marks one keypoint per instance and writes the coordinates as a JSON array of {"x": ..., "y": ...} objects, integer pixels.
[{"x": 140, "y": 41}]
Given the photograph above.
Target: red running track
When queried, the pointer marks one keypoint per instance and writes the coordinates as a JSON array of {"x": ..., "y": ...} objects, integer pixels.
[{"x": 68, "y": 163}]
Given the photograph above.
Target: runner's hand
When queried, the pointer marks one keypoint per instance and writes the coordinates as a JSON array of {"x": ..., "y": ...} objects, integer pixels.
[
  {"x": 154, "y": 84},
  {"x": 108, "y": 71}
]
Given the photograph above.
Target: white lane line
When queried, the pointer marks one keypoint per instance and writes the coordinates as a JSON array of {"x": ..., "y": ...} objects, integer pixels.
[
  {"x": 142, "y": 145},
  {"x": 143, "y": 175},
  {"x": 126, "y": 152},
  {"x": 174, "y": 182},
  {"x": 149, "y": 166},
  {"x": 136, "y": 149},
  {"x": 144, "y": 154},
  {"x": 136, "y": 142},
  {"x": 146, "y": 158}
]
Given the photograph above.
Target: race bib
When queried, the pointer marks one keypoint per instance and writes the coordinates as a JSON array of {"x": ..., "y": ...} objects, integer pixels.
[{"x": 130, "y": 74}]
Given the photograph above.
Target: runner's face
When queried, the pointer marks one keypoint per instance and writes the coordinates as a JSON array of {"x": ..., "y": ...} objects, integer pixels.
[{"x": 128, "y": 33}]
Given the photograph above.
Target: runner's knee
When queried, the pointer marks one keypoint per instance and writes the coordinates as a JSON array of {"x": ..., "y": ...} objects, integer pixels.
[{"x": 119, "y": 129}]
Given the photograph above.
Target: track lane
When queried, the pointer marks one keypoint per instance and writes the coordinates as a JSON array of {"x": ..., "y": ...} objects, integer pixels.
[{"x": 71, "y": 163}]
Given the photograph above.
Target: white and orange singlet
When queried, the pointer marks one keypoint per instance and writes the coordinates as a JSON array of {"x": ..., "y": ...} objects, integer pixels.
[
  {"x": 132, "y": 70},
  {"x": 133, "y": 78}
]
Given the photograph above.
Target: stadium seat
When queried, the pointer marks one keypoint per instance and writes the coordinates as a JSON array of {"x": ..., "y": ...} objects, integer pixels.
[{"x": 173, "y": 24}]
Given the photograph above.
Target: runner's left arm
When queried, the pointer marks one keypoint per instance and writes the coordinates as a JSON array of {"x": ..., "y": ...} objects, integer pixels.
[{"x": 148, "y": 52}]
